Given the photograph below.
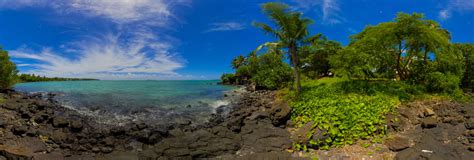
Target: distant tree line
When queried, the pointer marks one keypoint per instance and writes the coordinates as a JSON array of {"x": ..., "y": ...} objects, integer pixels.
[
  {"x": 409, "y": 49},
  {"x": 38, "y": 78},
  {"x": 9, "y": 74}
]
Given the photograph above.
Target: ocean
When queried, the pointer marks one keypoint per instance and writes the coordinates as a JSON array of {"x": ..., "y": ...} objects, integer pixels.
[{"x": 119, "y": 101}]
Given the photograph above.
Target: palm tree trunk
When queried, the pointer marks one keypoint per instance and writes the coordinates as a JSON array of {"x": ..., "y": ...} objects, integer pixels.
[{"x": 294, "y": 60}]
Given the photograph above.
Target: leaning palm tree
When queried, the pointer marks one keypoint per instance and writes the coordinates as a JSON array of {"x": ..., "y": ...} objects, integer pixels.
[{"x": 291, "y": 31}]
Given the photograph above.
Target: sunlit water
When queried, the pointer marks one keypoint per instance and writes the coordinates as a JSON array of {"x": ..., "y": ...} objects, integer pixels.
[{"x": 132, "y": 100}]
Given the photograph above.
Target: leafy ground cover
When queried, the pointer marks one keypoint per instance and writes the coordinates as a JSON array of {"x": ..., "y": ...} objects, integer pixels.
[{"x": 347, "y": 110}]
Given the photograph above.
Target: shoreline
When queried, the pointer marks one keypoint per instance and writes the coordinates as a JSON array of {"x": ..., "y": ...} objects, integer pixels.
[{"x": 61, "y": 132}]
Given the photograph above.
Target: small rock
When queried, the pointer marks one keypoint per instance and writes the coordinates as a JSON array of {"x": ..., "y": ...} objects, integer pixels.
[
  {"x": 428, "y": 112},
  {"x": 429, "y": 122},
  {"x": 471, "y": 147},
  {"x": 109, "y": 141},
  {"x": 470, "y": 123},
  {"x": 19, "y": 130},
  {"x": 301, "y": 135},
  {"x": 76, "y": 125},
  {"x": 398, "y": 143},
  {"x": 95, "y": 149},
  {"x": 258, "y": 115},
  {"x": 2, "y": 123},
  {"x": 60, "y": 122},
  {"x": 106, "y": 149}
]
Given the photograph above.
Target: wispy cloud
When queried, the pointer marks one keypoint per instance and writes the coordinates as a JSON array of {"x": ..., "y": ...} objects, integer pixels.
[
  {"x": 329, "y": 9},
  {"x": 120, "y": 11},
  {"x": 108, "y": 55},
  {"x": 459, "y": 6},
  {"x": 226, "y": 26},
  {"x": 134, "y": 51}
]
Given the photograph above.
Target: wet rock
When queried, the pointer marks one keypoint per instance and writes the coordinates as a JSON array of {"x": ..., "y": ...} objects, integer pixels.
[
  {"x": 398, "y": 143},
  {"x": 60, "y": 122},
  {"x": 429, "y": 122},
  {"x": 19, "y": 130}
]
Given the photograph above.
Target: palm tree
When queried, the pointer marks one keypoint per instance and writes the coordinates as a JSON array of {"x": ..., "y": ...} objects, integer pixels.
[
  {"x": 237, "y": 62},
  {"x": 291, "y": 31}
]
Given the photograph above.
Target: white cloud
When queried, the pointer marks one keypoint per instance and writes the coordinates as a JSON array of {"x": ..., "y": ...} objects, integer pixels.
[
  {"x": 459, "y": 6},
  {"x": 155, "y": 12},
  {"x": 444, "y": 14},
  {"x": 105, "y": 56},
  {"x": 329, "y": 9},
  {"x": 134, "y": 51},
  {"x": 226, "y": 26}
]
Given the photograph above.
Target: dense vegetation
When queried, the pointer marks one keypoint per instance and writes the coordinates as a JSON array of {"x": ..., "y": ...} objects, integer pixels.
[
  {"x": 37, "y": 78},
  {"x": 8, "y": 72},
  {"x": 382, "y": 66},
  {"x": 343, "y": 111}
]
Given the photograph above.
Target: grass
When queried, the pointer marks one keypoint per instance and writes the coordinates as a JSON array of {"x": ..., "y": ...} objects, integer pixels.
[{"x": 2, "y": 100}]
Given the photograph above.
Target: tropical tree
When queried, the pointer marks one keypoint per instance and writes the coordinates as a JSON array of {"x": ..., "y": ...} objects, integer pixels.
[
  {"x": 291, "y": 31},
  {"x": 238, "y": 61},
  {"x": 315, "y": 57},
  {"x": 467, "y": 51},
  {"x": 398, "y": 48},
  {"x": 8, "y": 72}
]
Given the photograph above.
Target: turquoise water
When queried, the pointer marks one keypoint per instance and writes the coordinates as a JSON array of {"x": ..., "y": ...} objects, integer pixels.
[{"x": 132, "y": 97}]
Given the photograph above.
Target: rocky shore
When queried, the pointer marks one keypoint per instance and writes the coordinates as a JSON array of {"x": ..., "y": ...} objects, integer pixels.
[{"x": 34, "y": 126}]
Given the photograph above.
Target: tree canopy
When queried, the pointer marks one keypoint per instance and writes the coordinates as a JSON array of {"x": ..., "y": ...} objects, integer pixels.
[{"x": 8, "y": 71}]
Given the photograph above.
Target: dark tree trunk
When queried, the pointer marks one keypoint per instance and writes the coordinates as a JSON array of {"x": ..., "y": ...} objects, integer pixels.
[{"x": 295, "y": 62}]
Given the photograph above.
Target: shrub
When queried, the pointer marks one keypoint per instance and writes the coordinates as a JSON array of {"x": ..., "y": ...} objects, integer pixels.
[
  {"x": 228, "y": 78},
  {"x": 343, "y": 115},
  {"x": 270, "y": 72},
  {"x": 8, "y": 72},
  {"x": 442, "y": 83}
]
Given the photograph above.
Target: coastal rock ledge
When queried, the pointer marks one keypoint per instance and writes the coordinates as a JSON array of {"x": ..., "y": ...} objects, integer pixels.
[{"x": 34, "y": 126}]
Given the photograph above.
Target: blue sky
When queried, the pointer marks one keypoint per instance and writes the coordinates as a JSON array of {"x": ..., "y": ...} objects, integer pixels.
[{"x": 181, "y": 39}]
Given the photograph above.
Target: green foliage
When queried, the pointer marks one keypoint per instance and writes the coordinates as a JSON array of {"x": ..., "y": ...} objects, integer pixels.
[
  {"x": 442, "y": 83},
  {"x": 393, "y": 50},
  {"x": 315, "y": 57},
  {"x": 269, "y": 71},
  {"x": 291, "y": 31},
  {"x": 343, "y": 110},
  {"x": 228, "y": 78},
  {"x": 467, "y": 50},
  {"x": 8, "y": 72}
]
